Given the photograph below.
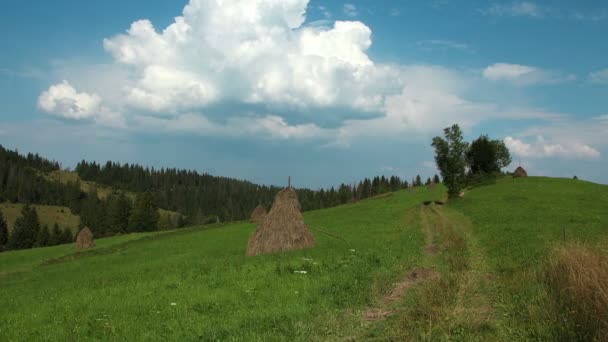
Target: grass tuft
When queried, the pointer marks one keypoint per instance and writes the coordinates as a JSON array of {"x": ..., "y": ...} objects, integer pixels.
[{"x": 577, "y": 276}]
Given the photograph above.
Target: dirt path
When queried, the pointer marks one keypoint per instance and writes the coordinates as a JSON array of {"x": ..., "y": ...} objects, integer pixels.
[{"x": 455, "y": 302}]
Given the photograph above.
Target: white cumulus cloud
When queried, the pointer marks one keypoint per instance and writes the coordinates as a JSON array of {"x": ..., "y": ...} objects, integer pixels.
[
  {"x": 64, "y": 100},
  {"x": 543, "y": 149}
]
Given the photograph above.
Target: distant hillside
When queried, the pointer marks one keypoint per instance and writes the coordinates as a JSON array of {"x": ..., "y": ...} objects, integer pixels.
[{"x": 48, "y": 214}]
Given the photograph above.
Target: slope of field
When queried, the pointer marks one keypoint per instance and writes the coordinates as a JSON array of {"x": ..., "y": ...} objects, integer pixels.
[
  {"x": 197, "y": 283},
  {"x": 86, "y": 186},
  {"x": 388, "y": 268},
  {"x": 518, "y": 223},
  {"x": 47, "y": 214}
]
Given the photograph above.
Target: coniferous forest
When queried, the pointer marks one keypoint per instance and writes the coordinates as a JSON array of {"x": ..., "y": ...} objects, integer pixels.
[{"x": 138, "y": 192}]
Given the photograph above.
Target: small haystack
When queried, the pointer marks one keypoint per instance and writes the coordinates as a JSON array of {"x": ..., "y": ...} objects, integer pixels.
[
  {"x": 283, "y": 228},
  {"x": 258, "y": 214},
  {"x": 85, "y": 239},
  {"x": 520, "y": 172}
]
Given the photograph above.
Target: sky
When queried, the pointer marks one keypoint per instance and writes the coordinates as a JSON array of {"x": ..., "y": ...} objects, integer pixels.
[{"x": 323, "y": 91}]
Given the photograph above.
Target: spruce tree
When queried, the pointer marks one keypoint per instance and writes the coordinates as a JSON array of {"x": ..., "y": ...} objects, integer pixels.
[
  {"x": 436, "y": 179},
  {"x": 3, "y": 230},
  {"x": 55, "y": 237},
  {"x": 43, "y": 237},
  {"x": 418, "y": 181},
  {"x": 66, "y": 236},
  {"x": 119, "y": 210},
  {"x": 25, "y": 229},
  {"x": 144, "y": 215}
]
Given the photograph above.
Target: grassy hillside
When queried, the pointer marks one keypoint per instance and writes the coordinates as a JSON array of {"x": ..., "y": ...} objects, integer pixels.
[
  {"x": 48, "y": 214},
  {"x": 472, "y": 270},
  {"x": 72, "y": 176},
  {"x": 519, "y": 223},
  {"x": 197, "y": 283}
]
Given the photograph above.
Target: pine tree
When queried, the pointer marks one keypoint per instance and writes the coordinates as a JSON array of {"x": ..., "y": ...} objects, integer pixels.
[
  {"x": 25, "y": 229},
  {"x": 144, "y": 216},
  {"x": 436, "y": 179},
  {"x": 428, "y": 181},
  {"x": 42, "y": 239},
  {"x": 66, "y": 236},
  {"x": 119, "y": 210},
  {"x": 3, "y": 230},
  {"x": 418, "y": 180},
  {"x": 55, "y": 236}
]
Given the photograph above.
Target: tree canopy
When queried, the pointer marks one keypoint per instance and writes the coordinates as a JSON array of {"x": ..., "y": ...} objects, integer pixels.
[{"x": 450, "y": 156}]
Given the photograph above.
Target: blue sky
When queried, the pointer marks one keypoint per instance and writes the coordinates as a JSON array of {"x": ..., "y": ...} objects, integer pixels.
[{"x": 324, "y": 91}]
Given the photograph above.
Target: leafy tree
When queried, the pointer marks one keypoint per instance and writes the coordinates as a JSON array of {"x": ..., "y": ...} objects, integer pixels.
[
  {"x": 3, "y": 230},
  {"x": 55, "y": 236},
  {"x": 43, "y": 237},
  {"x": 25, "y": 229},
  {"x": 450, "y": 156},
  {"x": 144, "y": 216},
  {"x": 436, "y": 179},
  {"x": 487, "y": 156}
]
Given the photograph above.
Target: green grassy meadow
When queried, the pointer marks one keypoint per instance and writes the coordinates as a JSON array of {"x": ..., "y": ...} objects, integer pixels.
[
  {"x": 197, "y": 283},
  {"x": 487, "y": 249}
]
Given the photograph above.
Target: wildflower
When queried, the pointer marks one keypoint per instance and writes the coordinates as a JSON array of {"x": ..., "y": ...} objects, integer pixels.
[
  {"x": 173, "y": 304},
  {"x": 352, "y": 250},
  {"x": 301, "y": 272}
]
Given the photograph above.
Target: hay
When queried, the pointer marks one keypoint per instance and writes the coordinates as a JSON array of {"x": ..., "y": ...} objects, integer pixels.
[
  {"x": 283, "y": 228},
  {"x": 258, "y": 214},
  {"x": 85, "y": 239},
  {"x": 520, "y": 172}
]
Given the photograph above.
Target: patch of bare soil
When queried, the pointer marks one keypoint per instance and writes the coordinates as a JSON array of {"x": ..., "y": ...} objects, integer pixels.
[
  {"x": 399, "y": 290},
  {"x": 432, "y": 249}
]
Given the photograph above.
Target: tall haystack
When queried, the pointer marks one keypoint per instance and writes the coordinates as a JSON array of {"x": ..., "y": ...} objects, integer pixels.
[
  {"x": 520, "y": 172},
  {"x": 258, "y": 214},
  {"x": 283, "y": 228},
  {"x": 85, "y": 239}
]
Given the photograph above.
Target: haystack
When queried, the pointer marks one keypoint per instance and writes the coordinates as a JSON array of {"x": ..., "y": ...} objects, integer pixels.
[
  {"x": 85, "y": 239},
  {"x": 258, "y": 214},
  {"x": 283, "y": 228},
  {"x": 520, "y": 172}
]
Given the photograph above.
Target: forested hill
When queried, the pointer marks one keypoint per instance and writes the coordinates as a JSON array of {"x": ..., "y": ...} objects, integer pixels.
[
  {"x": 204, "y": 197},
  {"x": 200, "y": 198},
  {"x": 22, "y": 181}
]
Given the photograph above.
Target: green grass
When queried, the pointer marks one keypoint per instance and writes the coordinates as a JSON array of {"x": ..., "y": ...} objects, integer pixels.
[
  {"x": 47, "y": 214},
  {"x": 125, "y": 290},
  {"x": 518, "y": 223},
  {"x": 492, "y": 247}
]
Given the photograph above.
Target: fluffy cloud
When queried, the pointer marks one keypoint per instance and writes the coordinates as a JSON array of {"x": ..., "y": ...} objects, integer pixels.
[
  {"x": 63, "y": 100},
  {"x": 542, "y": 149},
  {"x": 256, "y": 51},
  {"x": 259, "y": 57},
  {"x": 523, "y": 74}
]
